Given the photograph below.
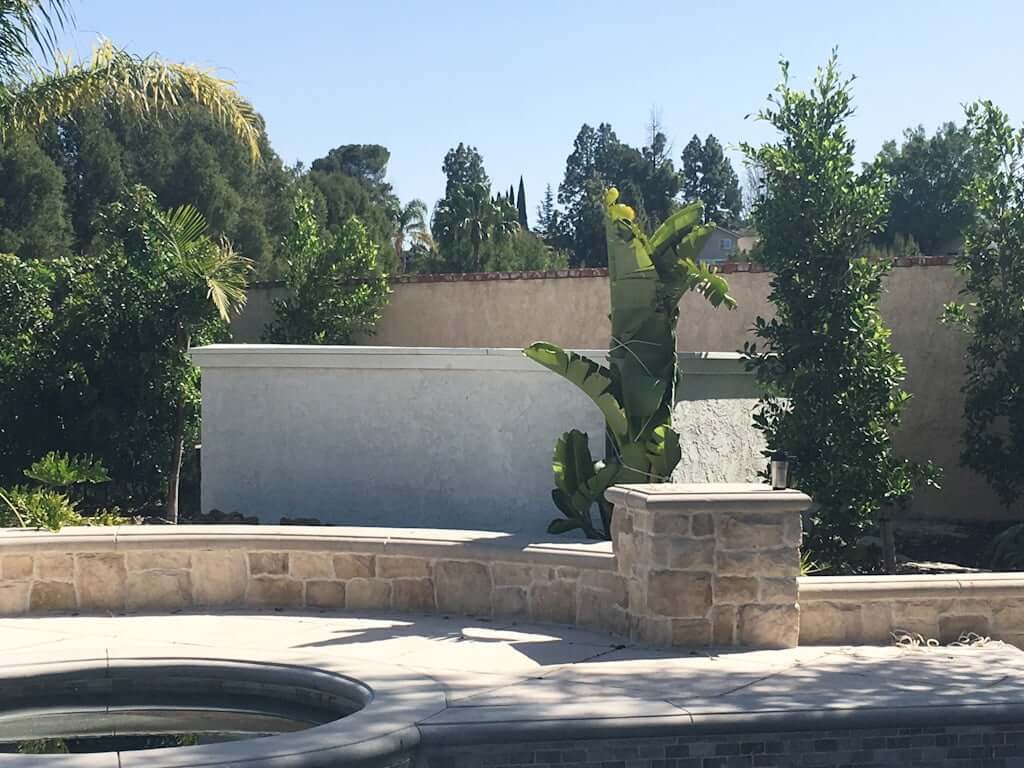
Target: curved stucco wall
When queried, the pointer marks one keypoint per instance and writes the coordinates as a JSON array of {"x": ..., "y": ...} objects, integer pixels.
[{"x": 441, "y": 438}]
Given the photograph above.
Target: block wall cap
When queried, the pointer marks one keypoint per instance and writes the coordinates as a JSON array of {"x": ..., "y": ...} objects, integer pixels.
[{"x": 708, "y": 497}]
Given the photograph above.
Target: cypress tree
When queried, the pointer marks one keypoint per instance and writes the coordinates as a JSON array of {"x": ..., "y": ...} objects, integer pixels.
[
  {"x": 521, "y": 205},
  {"x": 511, "y": 195}
]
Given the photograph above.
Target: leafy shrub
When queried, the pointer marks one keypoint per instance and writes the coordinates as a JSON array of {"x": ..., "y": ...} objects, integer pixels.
[
  {"x": 1006, "y": 552},
  {"x": 49, "y": 505},
  {"x": 336, "y": 287},
  {"x": 831, "y": 376}
]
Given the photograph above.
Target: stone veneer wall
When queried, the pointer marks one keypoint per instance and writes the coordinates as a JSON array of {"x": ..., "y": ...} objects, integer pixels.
[
  {"x": 151, "y": 569},
  {"x": 694, "y": 565},
  {"x": 710, "y": 565},
  {"x": 866, "y": 609}
]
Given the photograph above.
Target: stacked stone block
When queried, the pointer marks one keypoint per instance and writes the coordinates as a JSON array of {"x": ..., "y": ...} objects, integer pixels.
[{"x": 709, "y": 565}]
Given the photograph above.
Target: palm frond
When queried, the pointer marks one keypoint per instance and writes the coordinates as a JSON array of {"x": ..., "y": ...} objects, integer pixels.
[
  {"x": 225, "y": 272},
  {"x": 182, "y": 228},
  {"x": 24, "y": 23},
  {"x": 142, "y": 86}
]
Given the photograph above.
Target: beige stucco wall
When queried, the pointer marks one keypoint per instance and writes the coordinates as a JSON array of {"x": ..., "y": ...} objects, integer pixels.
[{"x": 573, "y": 312}]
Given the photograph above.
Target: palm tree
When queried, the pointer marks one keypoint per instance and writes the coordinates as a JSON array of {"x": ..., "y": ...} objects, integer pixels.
[
  {"x": 410, "y": 221},
  {"x": 213, "y": 268},
  {"x": 32, "y": 95},
  {"x": 472, "y": 217}
]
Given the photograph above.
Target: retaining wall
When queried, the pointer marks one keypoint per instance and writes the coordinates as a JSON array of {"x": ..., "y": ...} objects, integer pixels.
[
  {"x": 866, "y": 609},
  {"x": 692, "y": 566},
  {"x": 662, "y": 588}
]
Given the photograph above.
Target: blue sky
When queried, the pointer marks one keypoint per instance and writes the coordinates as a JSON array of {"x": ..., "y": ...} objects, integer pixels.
[{"x": 518, "y": 78}]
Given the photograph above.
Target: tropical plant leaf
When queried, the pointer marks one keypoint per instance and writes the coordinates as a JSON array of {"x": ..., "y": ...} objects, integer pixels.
[
  {"x": 681, "y": 224},
  {"x": 663, "y": 452},
  {"x": 182, "y": 228},
  {"x": 595, "y": 381},
  {"x": 580, "y": 481},
  {"x": 563, "y": 525}
]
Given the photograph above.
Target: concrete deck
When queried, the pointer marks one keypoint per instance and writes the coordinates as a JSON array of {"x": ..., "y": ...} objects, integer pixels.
[{"x": 469, "y": 680}]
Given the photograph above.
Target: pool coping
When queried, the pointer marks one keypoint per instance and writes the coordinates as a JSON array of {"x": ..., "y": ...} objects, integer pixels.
[{"x": 385, "y": 726}]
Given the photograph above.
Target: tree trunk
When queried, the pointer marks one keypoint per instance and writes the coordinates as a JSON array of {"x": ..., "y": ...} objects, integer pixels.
[
  {"x": 177, "y": 446},
  {"x": 174, "y": 475},
  {"x": 888, "y": 536}
]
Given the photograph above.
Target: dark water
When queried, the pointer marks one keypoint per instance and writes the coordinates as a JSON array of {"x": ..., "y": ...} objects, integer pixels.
[
  {"x": 67, "y": 730},
  {"x": 75, "y": 745}
]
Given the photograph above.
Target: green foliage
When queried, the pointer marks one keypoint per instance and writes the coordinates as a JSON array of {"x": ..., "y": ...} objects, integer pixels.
[
  {"x": 993, "y": 267},
  {"x": 826, "y": 361},
  {"x": 94, "y": 350},
  {"x": 410, "y": 226},
  {"x": 349, "y": 181},
  {"x": 901, "y": 247},
  {"x": 636, "y": 391},
  {"x": 646, "y": 178},
  {"x": 33, "y": 221},
  {"x": 61, "y": 470},
  {"x": 929, "y": 175},
  {"x": 44, "y": 506},
  {"x": 192, "y": 159},
  {"x": 336, "y": 287},
  {"x": 522, "y": 251},
  {"x": 26, "y": 349},
  {"x": 1006, "y": 552},
  {"x": 708, "y": 176}
]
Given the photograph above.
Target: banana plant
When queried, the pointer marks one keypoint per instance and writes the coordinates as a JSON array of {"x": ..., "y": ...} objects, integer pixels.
[{"x": 635, "y": 392}]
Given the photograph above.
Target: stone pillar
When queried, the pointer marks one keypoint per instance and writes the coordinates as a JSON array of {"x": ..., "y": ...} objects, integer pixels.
[{"x": 709, "y": 564}]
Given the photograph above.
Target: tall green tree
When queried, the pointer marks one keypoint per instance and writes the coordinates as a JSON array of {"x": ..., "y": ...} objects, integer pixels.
[
  {"x": 598, "y": 161},
  {"x": 463, "y": 167},
  {"x": 646, "y": 179},
  {"x": 708, "y": 176},
  {"x": 33, "y": 219},
  {"x": 992, "y": 313},
  {"x": 825, "y": 358},
  {"x": 350, "y": 181},
  {"x": 552, "y": 227},
  {"x": 192, "y": 159},
  {"x": 929, "y": 175},
  {"x": 659, "y": 181},
  {"x": 468, "y": 216},
  {"x": 524, "y": 219}
]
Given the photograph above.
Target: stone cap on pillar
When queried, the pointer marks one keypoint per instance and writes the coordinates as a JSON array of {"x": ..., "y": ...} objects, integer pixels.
[{"x": 707, "y": 497}]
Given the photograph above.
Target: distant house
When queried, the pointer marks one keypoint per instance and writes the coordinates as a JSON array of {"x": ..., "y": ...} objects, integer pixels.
[{"x": 723, "y": 245}]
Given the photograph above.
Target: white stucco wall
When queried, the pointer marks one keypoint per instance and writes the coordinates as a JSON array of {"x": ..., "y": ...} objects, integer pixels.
[{"x": 423, "y": 437}]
